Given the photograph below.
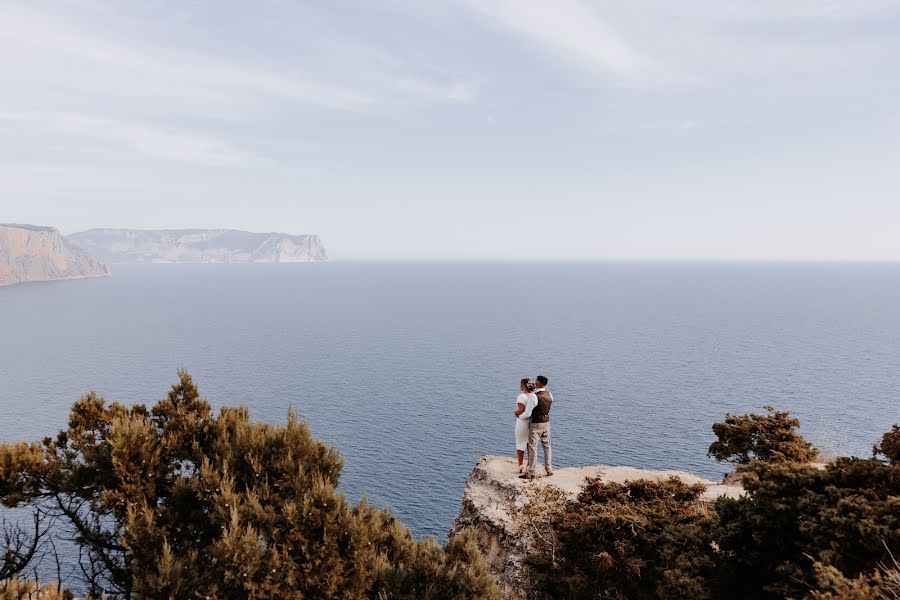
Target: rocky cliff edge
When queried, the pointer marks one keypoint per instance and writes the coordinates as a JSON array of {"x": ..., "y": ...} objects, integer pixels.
[{"x": 34, "y": 253}]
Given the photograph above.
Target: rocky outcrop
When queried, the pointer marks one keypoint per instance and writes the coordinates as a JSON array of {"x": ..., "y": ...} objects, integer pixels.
[
  {"x": 199, "y": 246},
  {"x": 502, "y": 509},
  {"x": 33, "y": 253}
]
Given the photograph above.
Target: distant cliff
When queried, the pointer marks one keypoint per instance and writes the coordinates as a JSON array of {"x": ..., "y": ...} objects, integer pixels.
[
  {"x": 32, "y": 253},
  {"x": 199, "y": 246}
]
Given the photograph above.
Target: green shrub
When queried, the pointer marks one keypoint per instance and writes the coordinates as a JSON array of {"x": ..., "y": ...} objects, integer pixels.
[
  {"x": 641, "y": 539},
  {"x": 178, "y": 502},
  {"x": 831, "y": 584},
  {"x": 801, "y": 531},
  {"x": 890, "y": 446},
  {"x": 846, "y": 516},
  {"x": 769, "y": 438}
]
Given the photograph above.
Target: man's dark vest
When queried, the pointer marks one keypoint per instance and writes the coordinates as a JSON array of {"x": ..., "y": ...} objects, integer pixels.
[{"x": 541, "y": 412}]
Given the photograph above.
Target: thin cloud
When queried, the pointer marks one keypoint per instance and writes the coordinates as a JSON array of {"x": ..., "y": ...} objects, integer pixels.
[
  {"x": 190, "y": 73},
  {"x": 34, "y": 30},
  {"x": 149, "y": 140},
  {"x": 103, "y": 80},
  {"x": 456, "y": 92},
  {"x": 569, "y": 30},
  {"x": 699, "y": 44}
]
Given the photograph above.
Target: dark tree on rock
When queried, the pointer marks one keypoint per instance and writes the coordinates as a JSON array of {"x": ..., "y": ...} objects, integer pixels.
[
  {"x": 890, "y": 446},
  {"x": 771, "y": 437},
  {"x": 179, "y": 502}
]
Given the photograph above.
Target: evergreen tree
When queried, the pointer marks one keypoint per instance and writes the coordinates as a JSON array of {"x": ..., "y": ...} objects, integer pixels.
[
  {"x": 769, "y": 438},
  {"x": 890, "y": 446},
  {"x": 179, "y": 502}
]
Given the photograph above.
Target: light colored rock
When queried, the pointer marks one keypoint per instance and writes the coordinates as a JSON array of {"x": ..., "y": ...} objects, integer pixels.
[
  {"x": 199, "y": 246},
  {"x": 497, "y": 505},
  {"x": 33, "y": 253}
]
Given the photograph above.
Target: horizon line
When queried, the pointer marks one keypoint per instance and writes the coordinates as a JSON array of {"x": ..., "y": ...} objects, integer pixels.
[{"x": 891, "y": 261}]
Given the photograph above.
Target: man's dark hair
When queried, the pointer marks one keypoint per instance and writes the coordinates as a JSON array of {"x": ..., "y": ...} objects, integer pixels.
[{"x": 542, "y": 380}]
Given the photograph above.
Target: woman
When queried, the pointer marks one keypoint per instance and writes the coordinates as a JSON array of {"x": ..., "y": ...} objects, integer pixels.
[{"x": 525, "y": 403}]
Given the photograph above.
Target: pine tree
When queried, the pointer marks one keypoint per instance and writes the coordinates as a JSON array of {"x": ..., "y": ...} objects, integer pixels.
[
  {"x": 179, "y": 502},
  {"x": 769, "y": 438}
]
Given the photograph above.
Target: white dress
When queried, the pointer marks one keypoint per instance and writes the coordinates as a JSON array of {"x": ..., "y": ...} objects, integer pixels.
[{"x": 524, "y": 420}]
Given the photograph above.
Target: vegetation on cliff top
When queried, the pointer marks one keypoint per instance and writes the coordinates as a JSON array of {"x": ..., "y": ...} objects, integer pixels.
[
  {"x": 801, "y": 531},
  {"x": 176, "y": 501}
]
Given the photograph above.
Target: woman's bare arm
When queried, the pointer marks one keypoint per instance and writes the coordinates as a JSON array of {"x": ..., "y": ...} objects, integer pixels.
[{"x": 521, "y": 408}]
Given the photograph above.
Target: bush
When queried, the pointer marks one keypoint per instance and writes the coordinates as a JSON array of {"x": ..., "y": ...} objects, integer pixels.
[
  {"x": 890, "y": 446},
  {"x": 769, "y": 438},
  {"x": 881, "y": 584},
  {"x": 177, "y": 502},
  {"x": 13, "y": 589},
  {"x": 834, "y": 585},
  {"x": 846, "y": 516},
  {"x": 641, "y": 539},
  {"x": 800, "y": 531}
]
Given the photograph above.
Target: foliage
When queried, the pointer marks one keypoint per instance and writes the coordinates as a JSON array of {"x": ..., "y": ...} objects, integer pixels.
[
  {"x": 831, "y": 584},
  {"x": 641, "y": 539},
  {"x": 14, "y": 589},
  {"x": 881, "y": 584},
  {"x": 801, "y": 531},
  {"x": 428, "y": 571},
  {"x": 178, "y": 502},
  {"x": 769, "y": 438},
  {"x": 845, "y": 516},
  {"x": 538, "y": 517},
  {"x": 890, "y": 446}
]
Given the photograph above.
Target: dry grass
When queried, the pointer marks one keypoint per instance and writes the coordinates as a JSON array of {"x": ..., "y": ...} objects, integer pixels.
[
  {"x": 537, "y": 517},
  {"x": 15, "y": 589},
  {"x": 890, "y": 577}
]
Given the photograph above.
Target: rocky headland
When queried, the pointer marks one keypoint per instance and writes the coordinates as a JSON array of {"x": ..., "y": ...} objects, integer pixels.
[
  {"x": 199, "y": 246},
  {"x": 33, "y": 253},
  {"x": 506, "y": 511}
]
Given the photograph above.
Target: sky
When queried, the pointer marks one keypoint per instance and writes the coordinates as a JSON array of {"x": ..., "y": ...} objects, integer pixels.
[{"x": 463, "y": 129}]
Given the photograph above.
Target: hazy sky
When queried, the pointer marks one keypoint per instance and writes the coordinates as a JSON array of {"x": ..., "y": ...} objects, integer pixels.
[{"x": 463, "y": 129}]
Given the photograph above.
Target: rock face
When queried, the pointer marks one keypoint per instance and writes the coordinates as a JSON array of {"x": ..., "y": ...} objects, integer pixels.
[
  {"x": 501, "y": 508},
  {"x": 198, "y": 246},
  {"x": 32, "y": 253}
]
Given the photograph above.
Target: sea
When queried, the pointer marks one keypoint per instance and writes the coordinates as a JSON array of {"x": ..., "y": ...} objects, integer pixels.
[{"x": 412, "y": 369}]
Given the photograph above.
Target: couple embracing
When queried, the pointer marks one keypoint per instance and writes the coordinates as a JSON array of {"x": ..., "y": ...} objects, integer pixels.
[{"x": 533, "y": 424}]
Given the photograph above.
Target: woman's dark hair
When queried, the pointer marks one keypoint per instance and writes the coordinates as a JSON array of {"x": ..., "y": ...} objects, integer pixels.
[{"x": 528, "y": 384}]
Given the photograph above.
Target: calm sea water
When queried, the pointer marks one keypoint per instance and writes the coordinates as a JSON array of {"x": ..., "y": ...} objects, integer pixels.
[{"x": 412, "y": 369}]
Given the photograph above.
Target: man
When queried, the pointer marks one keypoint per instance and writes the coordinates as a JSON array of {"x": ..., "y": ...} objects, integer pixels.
[{"x": 539, "y": 429}]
